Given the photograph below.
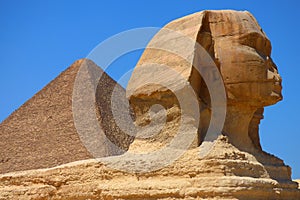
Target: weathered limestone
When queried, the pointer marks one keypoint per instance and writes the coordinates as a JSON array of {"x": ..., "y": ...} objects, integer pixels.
[
  {"x": 239, "y": 48},
  {"x": 215, "y": 177}
]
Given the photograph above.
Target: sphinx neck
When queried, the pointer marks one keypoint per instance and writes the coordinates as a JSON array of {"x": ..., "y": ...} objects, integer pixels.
[{"x": 236, "y": 126}]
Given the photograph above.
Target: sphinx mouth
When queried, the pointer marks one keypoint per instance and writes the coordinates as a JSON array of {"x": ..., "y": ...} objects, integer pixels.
[{"x": 277, "y": 87}]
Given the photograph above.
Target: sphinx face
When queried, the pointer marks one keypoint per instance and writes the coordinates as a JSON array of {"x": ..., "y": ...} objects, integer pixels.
[{"x": 244, "y": 53}]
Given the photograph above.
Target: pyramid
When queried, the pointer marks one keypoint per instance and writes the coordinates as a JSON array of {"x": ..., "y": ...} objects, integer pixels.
[{"x": 42, "y": 133}]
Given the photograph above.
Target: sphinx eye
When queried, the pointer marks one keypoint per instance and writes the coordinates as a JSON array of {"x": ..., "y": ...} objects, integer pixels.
[
  {"x": 257, "y": 42},
  {"x": 249, "y": 40}
]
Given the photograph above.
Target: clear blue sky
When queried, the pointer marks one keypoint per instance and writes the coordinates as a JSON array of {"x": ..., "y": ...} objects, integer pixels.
[{"x": 39, "y": 39}]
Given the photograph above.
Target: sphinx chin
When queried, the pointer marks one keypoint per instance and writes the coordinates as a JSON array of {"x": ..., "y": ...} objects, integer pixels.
[{"x": 276, "y": 96}]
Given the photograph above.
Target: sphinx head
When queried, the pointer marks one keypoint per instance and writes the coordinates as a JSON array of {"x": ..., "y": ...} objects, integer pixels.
[{"x": 243, "y": 53}]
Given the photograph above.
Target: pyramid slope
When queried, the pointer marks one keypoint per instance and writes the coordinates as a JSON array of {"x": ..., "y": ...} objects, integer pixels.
[{"x": 41, "y": 133}]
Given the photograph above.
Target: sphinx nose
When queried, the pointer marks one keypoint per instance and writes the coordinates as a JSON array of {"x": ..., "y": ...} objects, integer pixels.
[{"x": 272, "y": 70}]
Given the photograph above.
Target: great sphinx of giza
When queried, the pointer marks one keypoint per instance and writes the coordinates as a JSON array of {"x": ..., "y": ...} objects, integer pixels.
[
  {"x": 242, "y": 53},
  {"x": 235, "y": 167}
]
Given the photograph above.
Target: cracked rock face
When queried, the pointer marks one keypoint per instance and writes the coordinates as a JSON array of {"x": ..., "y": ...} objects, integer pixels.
[{"x": 235, "y": 168}]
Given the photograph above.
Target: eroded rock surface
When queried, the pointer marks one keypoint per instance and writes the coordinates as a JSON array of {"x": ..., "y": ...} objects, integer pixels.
[
  {"x": 226, "y": 173},
  {"x": 238, "y": 48}
]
